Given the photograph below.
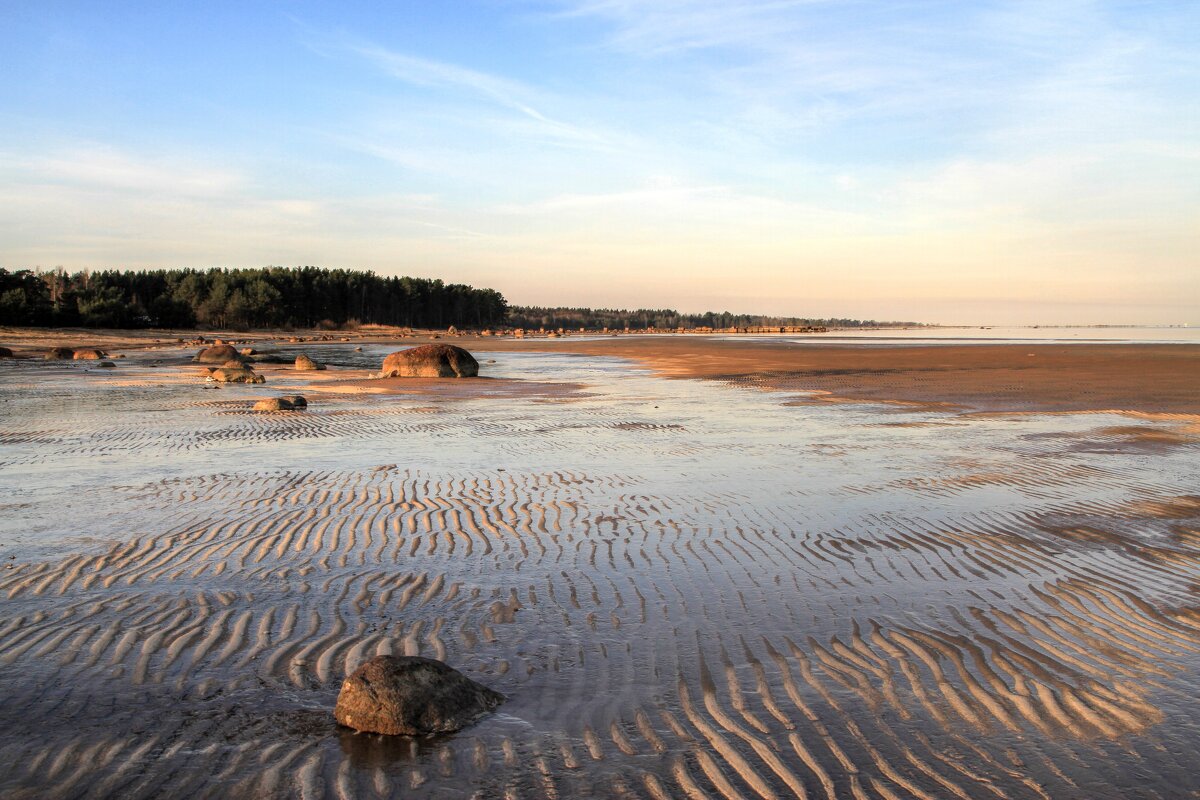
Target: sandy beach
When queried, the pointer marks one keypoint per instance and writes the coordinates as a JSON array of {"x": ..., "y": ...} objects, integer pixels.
[{"x": 695, "y": 566}]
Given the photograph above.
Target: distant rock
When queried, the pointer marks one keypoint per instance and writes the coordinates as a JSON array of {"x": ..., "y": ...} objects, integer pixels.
[
  {"x": 59, "y": 353},
  {"x": 6, "y": 353},
  {"x": 239, "y": 375},
  {"x": 306, "y": 364},
  {"x": 431, "y": 361},
  {"x": 106, "y": 365},
  {"x": 248, "y": 351},
  {"x": 218, "y": 354},
  {"x": 412, "y": 696},
  {"x": 88, "y": 354},
  {"x": 287, "y": 403}
]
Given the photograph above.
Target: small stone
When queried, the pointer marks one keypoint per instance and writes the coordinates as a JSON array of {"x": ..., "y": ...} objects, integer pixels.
[
  {"x": 306, "y": 364},
  {"x": 224, "y": 375}
]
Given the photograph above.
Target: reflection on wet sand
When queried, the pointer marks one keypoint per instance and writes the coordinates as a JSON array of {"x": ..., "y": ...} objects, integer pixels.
[{"x": 685, "y": 590}]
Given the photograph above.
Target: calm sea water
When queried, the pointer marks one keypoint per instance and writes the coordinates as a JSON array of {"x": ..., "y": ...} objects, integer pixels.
[{"x": 997, "y": 335}]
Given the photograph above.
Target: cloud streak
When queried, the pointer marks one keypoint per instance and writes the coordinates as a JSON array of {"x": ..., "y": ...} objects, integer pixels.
[{"x": 456, "y": 81}]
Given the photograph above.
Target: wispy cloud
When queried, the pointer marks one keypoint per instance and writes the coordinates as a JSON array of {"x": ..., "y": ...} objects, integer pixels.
[
  {"x": 102, "y": 168},
  {"x": 456, "y": 81},
  {"x": 436, "y": 74},
  {"x": 664, "y": 26}
]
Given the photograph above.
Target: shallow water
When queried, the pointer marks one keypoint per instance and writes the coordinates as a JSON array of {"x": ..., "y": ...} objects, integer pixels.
[
  {"x": 684, "y": 588},
  {"x": 1178, "y": 334}
]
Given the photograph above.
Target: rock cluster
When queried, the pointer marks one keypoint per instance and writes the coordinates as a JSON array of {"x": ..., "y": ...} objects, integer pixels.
[{"x": 239, "y": 374}]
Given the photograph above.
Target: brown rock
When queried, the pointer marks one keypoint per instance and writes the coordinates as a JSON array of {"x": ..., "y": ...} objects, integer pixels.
[
  {"x": 241, "y": 375},
  {"x": 296, "y": 400},
  {"x": 88, "y": 354},
  {"x": 218, "y": 354},
  {"x": 58, "y": 353},
  {"x": 431, "y": 361},
  {"x": 410, "y": 695},
  {"x": 273, "y": 404},
  {"x": 306, "y": 364},
  {"x": 248, "y": 351}
]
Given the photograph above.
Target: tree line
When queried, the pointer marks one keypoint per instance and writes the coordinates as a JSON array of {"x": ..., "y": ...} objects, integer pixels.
[
  {"x": 665, "y": 319},
  {"x": 307, "y": 297},
  {"x": 240, "y": 299}
]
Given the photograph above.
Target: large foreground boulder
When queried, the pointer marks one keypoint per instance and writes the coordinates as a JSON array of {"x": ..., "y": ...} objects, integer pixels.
[
  {"x": 431, "y": 361},
  {"x": 410, "y": 695},
  {"x": 59, "y": 353},
  {"x": 218, "y": 354},
  {"x": 306, "y": 364}
]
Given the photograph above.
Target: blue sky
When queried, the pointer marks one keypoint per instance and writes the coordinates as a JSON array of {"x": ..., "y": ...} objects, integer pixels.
[{"x": 989, "y": 162}]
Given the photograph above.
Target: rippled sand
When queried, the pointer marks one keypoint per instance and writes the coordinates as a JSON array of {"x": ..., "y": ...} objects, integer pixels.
[{"x": 685, "y": 588}]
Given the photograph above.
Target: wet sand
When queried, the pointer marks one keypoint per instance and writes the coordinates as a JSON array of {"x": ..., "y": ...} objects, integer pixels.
[
  {"x": 1153, "y": 378},
  {"x": 686, "y": 588}
]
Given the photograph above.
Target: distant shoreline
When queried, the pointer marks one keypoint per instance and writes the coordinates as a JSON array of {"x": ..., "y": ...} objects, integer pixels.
[{"x": 1147, "y": 378}]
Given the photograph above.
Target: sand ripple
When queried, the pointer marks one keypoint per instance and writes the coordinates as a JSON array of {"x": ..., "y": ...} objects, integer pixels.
[{"x": 1006, "y": 621}]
